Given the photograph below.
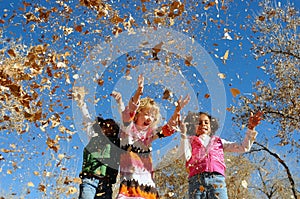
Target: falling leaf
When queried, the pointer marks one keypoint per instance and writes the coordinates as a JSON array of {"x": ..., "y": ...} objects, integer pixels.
[
  {"x": 71, "y": 190},
  {"x": 42, "y": 188},
  {"x": 11, "y": 53},
  {"x": 188, "y": 60},
  {"x": 60, "y": 156},
  {"x": 78, "y": 28},
  {"x": 171, "y": 194},
  {"x": 229, "y": 109},
  {"x": 36, "y": 173},
  {"x": 222, "y": 75},
  {"x": 167, "y": 94},
  {"x": 227, "y": 36},
  {"x": 53, "y": 144},
  {"x": 258, "y": 83},
  {"x": 225, "y": 57},
  {"x": 210, "y": 4},
  {"x": 261, "y": 18},
  {"x": 207, "y": 95},
  {"x": 30, "y": 184},
  {"x": 100, "y": 82},
  {"x": 77, "y": 180},
  {"x": 156, "y": 49},
  {"x": 202, "y": 188},
  {"x": 244, "y": 184},
  {"x": 76, "y": 76},
  {"x": 235, "y": 92}
]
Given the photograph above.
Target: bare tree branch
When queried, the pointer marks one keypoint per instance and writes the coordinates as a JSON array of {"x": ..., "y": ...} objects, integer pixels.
[
  {"x": 281, "y": 161},
  {"x": 281, "y": 114},
  {"x": 284, "y": 52}
]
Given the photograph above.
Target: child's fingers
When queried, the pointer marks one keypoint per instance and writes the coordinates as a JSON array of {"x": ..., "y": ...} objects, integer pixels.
[
  {"x": 187, "y": 99},
  {"x": 259, "y": 114}
]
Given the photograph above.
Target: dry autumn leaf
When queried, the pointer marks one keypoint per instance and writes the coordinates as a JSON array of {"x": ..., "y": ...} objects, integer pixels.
[
  {"x": 30, "y": 184},
  {"x": 42, "y": 188},
  {"x": 167, "y": 94},
  {"x": 225, "y": 56},
  {"x": 210, "y": 4},
  {"x": 235, "y": 92},
  {"x": 244, "y": 184},
  {"x": 188, "y": 60},
  {"x": 202, "y": 188},
  {"x": 222, "y": 75},
  {"x": 207, "y": 95},
  {"x": 11, "y": 53}
]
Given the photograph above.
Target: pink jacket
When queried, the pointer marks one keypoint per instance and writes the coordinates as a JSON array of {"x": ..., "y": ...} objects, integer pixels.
[
  {"x": 201, "y": 159},
  {"x": 210, "y": 159}
]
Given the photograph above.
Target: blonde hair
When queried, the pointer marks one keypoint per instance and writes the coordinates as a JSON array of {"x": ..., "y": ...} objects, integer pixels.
[{"x": 146, "y": 104}]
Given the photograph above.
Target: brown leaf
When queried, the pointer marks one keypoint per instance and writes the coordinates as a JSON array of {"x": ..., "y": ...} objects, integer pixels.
[
  {"x": 144, "y": 9},
  {"x": 261, "y": 18},
  {"x": 11, "y": 52},
  {"x": 235, "y": 92},
  {"x": 258, "y": 83},
  {"x": 77, "y": 180},
  {"x": 42, "y": 188},
  {"x": 166, "y": 94},
  {"x": 100, "y": 82},
  {"x": 116, "y": 19},
  {"x": 188, "y": 60},
  {"x": 78, "y": 28},
  {"x": 52, "y": 144},
  {"x": 33, "y": 117},
  {"x": 201, "y": 188},
  {"x": 229, "y": 109},
  {"x": 210, "y": 4}
]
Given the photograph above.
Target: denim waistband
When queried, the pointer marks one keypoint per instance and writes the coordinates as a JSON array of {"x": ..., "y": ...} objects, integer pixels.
[{"x": 206, "y": 175}]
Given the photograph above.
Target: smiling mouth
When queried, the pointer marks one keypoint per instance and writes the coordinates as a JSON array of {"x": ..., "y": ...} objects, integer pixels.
[
  {"x": 203, "y": 129},
  {"x": 146, "y": 124}
]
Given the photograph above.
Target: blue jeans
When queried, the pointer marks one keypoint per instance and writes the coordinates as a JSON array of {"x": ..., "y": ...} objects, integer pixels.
[
  {"x": 207, "y": 186},
  {"x": 93, "y": 188}
]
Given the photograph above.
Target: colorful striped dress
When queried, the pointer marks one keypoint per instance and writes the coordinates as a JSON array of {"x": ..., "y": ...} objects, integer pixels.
[{"x": 136, "y": 169}]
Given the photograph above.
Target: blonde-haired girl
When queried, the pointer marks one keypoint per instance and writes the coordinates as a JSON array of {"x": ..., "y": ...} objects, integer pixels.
[{"x": 140, "y": 119}]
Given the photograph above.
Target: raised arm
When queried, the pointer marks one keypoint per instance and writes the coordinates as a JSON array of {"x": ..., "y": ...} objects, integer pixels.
[
  {"x": 173, "y": 121},
  {"x": 140, "y": 89},
  {"x": 172, "y": 124},
  {"x": 87, "y": 122},
  {"x": 185, "y": 148},
  {"x": 130, "y": 110},
  {"x": 118, "y": 97},
  {"x": 250, "y": 136}
]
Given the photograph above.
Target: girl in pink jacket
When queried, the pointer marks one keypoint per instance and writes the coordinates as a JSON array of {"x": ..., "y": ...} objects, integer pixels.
[{"x": 204, "y": 154}]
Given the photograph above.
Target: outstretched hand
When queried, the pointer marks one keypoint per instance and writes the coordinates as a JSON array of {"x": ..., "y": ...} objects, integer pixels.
[
  {"x": 174, "y": 121},
  {"x": 182, "y": 102},
  {"x": 182, "y": 126},
  {"x": 141, "y": 83},
  {"x": 254, "y": 119},
  {"x": 117, "y": 96}
]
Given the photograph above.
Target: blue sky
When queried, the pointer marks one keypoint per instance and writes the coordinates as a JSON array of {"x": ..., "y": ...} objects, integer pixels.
[{"x": 34, "y": 162}]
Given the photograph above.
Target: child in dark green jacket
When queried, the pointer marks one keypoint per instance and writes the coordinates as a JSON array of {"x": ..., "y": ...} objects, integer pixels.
[
  {"x": 101, "y": 155},
  {"x": 100, "y": 161}
]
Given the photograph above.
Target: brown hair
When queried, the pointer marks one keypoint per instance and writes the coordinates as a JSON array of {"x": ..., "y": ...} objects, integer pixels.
[
  {"x": 193, "y": 118},
  {"x": 107, "y": 126}
]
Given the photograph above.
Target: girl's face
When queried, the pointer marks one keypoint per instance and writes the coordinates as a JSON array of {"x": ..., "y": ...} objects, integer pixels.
[
  {"x": 203, "y": 127},
  {"x": 145, "y": 118}
]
